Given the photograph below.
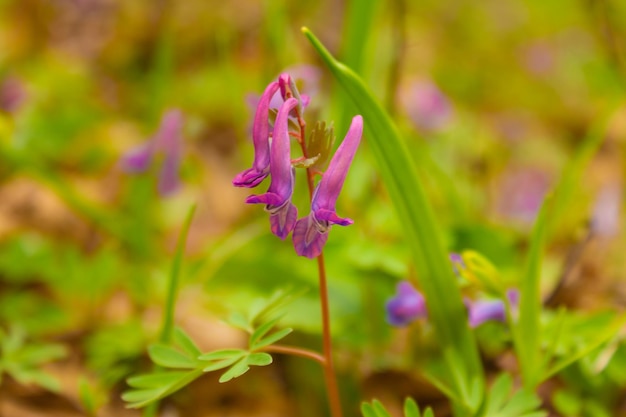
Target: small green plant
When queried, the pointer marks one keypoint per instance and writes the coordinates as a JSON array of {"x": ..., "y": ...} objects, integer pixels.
[{"x": 23, "y": 360}]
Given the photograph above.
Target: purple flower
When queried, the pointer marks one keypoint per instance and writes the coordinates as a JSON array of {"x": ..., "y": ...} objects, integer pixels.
[
  {"x": 426, "y": 105},
  {"x": 481, "y": 311},
  {"x": 166, "y": 141},
  {"x": 457, "y": 263},
  {"x": 408, "y": 305},
  {"x": 522, "y": 192},
  {"x": 277, "y": 199},
  {"x": 12, "y": 94},
  {"x": 605, "y": 220},
  {"x": 260, "y": 137},
  {"x": 311, "y": 232}
]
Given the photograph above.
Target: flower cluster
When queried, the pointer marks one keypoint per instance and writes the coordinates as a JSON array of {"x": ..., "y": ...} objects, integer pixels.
[
  {"x": 272, "y": 157},
  {"x": 409, "y": 305}
]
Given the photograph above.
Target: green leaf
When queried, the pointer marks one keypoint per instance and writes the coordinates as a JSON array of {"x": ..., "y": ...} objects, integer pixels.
[
  {"x": 36, "y": 376},
  {"x": 499, "y": 393},
  {"x": 155, "y": 380},
  {"x": 428, "y": 413},
  {"x": 502, "y": 404},
  {"x": 268, "y": 308},
  {"x": 172, "y": 289},
  {"x": 141, "y": 397},
  {"x": 367, "y": 410},
  {"x": 240, "y": 321},
  {"x": 39, "y": 354},
  {"x": 604, "y": 336},
  {"x": 222, "y": 354},
  {"x": 527, "y": 330},
  {"x": 187, "y": 344},
  {"x": 170, "y": 358},
  {"x": 262, "y": 331},
  {"x": 379, "y": 408},
  {"x": 446, "y": 310},
  {"x": 410, "y": 408},
  {"x": 235, "y": 371},
  {"x": 271, "y": 339},
  {"x": 259, "y": 359},
  {"x": 221, "y": 364}
]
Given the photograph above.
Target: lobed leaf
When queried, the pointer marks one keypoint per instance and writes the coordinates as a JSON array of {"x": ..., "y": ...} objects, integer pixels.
[
  {"x": 170, "y": 358},
  {"x": 259, "y": 359},
  {"x": 222, "y": 354},
  {"x": 238, "y": 369},
  {"x": 271, "y": 339},
  {"x": 262, "y": 331},
  {"x": 155, "y": 380},
  {"x": 186, "y": 343},
  {"x": 224, "y": 363}
]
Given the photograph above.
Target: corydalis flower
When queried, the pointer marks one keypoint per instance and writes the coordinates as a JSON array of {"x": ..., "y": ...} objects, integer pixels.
[
  {"x": 260, "y": 138},
  {"x": 277, "y": 199},
  {"x": 167, "y": 141},
  {"x": 311, "y": 232},
  {"x": 479, "y": 312},
  {"x": 408, "y": 305}
]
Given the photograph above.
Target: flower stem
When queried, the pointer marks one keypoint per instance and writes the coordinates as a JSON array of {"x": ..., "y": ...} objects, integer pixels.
[
  {"x": 332, "y": 389},
  {"x": 329, "y": 370}
]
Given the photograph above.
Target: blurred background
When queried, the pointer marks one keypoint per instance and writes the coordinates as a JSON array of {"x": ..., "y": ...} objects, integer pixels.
[{"x": 115, "y": 117}]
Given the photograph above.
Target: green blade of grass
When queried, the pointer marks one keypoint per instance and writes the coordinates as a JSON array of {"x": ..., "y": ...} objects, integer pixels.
[
  {"x": 168, "y": 315},
  {"x": 527, "y": 329},
  {"x": 445, "y": 306}
]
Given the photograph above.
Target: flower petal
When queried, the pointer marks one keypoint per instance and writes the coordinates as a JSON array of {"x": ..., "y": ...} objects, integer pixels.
[
  {"x": 308, "y": 239},
  {"x": 332, "y": 181},
  {"x": 137, "y": 159},
  {"x": 260, "y": 138},
  {"x": 283, "y": 220},
  {"x": 408, "y": 305}
]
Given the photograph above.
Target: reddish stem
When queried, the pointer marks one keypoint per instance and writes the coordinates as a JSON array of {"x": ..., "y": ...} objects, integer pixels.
[
  {"x": 296, "y": 351},
  {"x": 332, "y": 388}
]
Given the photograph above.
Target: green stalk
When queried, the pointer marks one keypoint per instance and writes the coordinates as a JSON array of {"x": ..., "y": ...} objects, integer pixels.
[
  {"x": 445, "y": 306},
  {"x": 167, "y": 328}
]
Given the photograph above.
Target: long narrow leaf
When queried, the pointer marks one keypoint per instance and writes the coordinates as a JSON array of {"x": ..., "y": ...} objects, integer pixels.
[
  {"x": 527, "y": 331},
  {"x": 445, "y": 306}
]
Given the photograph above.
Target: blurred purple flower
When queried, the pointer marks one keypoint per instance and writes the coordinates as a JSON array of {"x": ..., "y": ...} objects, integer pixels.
[
  {"x": 311, "y": 232},
  {"x": 539, "y": 58},
  {"x": 12, "y": 94},
  {"x": 407, "y": 306},
  {"x": 479, "y": 312},
  {"x": 168, "y": 142},
  {"x": 605, "y": 220},
  {"x": 426, "y": 105},
  {"x": 457, "y": 263},
  {"x": 260, "y": 137},
  {"x": 521, "y": 194},
  {"x": 277, "y": 199}
]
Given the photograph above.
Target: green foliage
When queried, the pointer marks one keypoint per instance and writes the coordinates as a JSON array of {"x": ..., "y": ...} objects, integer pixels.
[
  {"x": 377, "y": 409},
  {"x": 502, "y": 403},
  {"x": 182, "y": 361},
  {"x": 23, "y": 360}
]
